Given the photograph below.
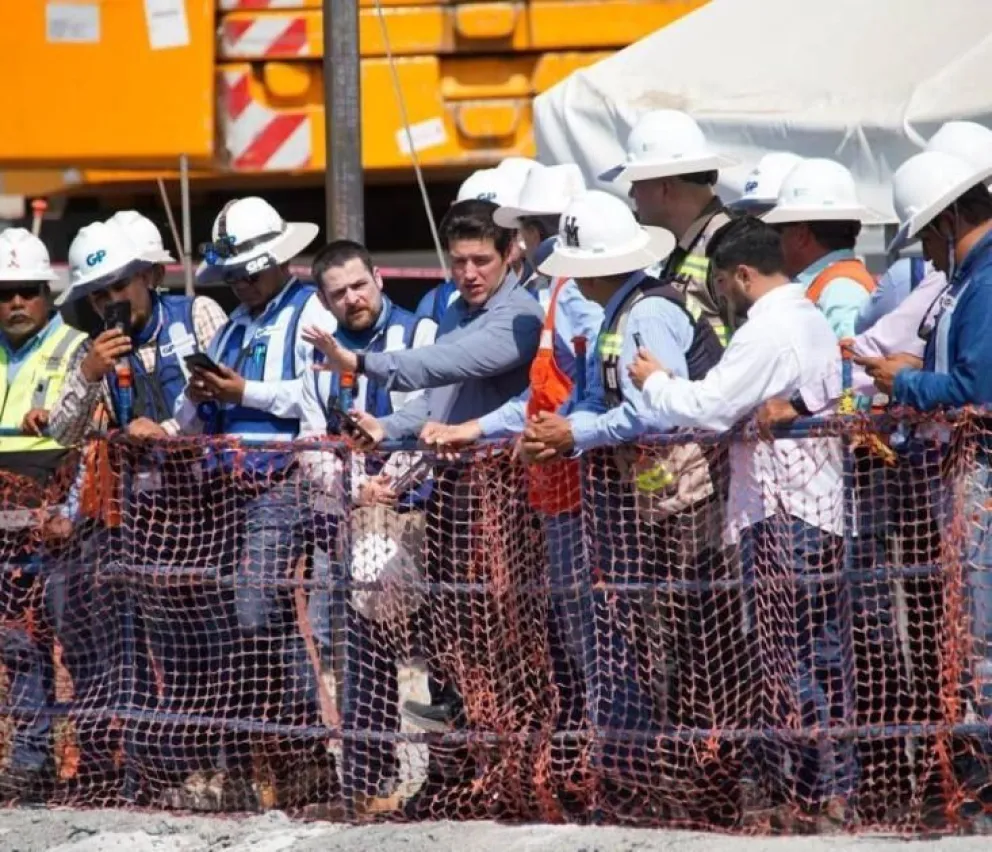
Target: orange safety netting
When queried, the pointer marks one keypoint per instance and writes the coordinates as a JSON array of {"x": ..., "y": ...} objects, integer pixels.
[{"x": 737, "y": 634}]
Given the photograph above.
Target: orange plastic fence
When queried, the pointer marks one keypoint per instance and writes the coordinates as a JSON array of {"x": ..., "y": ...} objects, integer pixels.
[{"x": 757, "y": 637}]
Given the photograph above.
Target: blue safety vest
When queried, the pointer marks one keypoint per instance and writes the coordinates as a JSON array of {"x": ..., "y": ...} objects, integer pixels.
[
  {"x": 397, "y": 329},
  {"x": 172, "y": 329},
  {"x": 435, "y": 302},
  {"x": 269, "y": 355}
]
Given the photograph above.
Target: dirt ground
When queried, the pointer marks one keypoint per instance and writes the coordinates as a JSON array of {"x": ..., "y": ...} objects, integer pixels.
[{"x": 27, "y": 830}]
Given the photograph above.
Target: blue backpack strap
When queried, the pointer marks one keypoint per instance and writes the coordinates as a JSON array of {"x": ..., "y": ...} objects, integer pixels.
[{"x": 918, "y": 271}]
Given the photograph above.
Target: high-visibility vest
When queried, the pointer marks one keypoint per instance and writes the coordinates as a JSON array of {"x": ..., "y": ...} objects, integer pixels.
[
  {"x": 37, "y": 384},
  {"x": 855, "y": 270},
  {"x": 552, "y": 488},
  {"x": 688, "y": 270}
]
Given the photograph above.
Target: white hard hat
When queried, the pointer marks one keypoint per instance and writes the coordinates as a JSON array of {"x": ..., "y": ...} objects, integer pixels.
[
  {"x": 764, "y": 182},
  {"x": 666, "y": 143},
  {"x": 23, "y": 257},
  {"x": 99, "y": 256},
  {"x": 489, "y": 185},
  {"x": 966, "y": 140},
  {"x": 547, "y": 191},
  {"x": 250, "y": 236},
  {"x": 926, "y": 185},
  {"x": 143, "y": 234},
  {"x": 598, "y": 235},
  {"x": 819, "y": 190}
]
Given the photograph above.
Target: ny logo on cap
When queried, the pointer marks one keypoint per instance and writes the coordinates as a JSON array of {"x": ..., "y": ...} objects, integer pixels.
[
  {"x": 13, "y": 262},
  {"x": 571, "y": 232}
]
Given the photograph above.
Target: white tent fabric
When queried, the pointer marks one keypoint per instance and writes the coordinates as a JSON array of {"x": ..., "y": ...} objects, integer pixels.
[{"x": 864, "y": 82}]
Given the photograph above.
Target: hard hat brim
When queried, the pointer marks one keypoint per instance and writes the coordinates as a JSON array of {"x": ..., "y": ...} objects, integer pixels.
[
  {"x": 283, "y": 248},
  {"x": 8, "y": 276},
  {"x": 788, "y": 215},
  {"x": 509, "y": 217},
  {"x": 86, "y": 286},
  {"x": 752, "y": 206},
  {"x": 565, "y": 262},
  {"x": 158, "y": 257},
  {"x": 910, "y": 229},
  {"x": 652, "y": 169}
]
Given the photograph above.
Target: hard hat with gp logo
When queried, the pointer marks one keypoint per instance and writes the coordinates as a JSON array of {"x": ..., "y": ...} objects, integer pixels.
[
  {"x": 764, "y": 182},
  {"x": 490, "y": 185},
  {"x": 966, "y": 140},
  {"x": 143, "y": 234},
  {"x": 23, "y": 257},
  {"x": 99, "y": 256},
  {"x": 666, "y": 143},
  {"x": 925, "y": 186},
  {"x": 249, "y": 236},
  {"x": 547, "y": 192},
  {"x": 598, "y": 235},
  {"x": 819, "y": 190}
]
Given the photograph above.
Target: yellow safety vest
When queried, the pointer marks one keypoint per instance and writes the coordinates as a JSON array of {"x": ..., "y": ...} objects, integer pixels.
[
  {"x": 37, "y": 385},
  {"x": 688, "y": 269}
]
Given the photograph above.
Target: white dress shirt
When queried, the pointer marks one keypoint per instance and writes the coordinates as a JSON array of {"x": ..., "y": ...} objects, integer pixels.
[{"x": 786, "y": 344}]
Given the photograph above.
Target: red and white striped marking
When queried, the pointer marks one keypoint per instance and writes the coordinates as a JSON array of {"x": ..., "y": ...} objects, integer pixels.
[
  {"x": 264, "y": 36},
  {"x": 258, "y": 138},
  {"x": 252, "y": 5}
]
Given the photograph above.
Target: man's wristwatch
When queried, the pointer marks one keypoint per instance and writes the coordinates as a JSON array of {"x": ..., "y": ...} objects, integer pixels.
[
  {"x": 359, "y": 363},
  {"x": 796, "y": 401}
]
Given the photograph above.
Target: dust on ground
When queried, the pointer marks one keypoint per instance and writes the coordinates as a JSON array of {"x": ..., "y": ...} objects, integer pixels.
[{"x": 33, "y": 830}]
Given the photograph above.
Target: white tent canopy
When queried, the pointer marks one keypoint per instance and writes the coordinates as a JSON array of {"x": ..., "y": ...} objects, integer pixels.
[{"x": 864, "y": 82}]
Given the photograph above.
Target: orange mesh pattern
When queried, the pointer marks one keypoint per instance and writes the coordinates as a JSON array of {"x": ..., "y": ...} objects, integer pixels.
[{"x": 218, "y": 628}]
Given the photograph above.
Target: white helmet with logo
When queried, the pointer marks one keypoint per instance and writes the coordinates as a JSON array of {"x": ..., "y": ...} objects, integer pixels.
[
  {"x": 489, "y": 185},
  {"x": 598, "y": 235},
  {"x": 764, "y": 182},
  {"x": 143, "y": 234},
  {"x": 547, "y": 192},
  {"x": 819, "y": 190},
  {"x": 925, "y": 186},
  {"x": 23, "y": 257},
  {"x": 249, "y": 236},
  {"x": 666, "y": 143},
  {"x": 99, "y": 256}
]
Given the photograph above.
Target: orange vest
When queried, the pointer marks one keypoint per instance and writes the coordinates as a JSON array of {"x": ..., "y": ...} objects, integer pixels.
[
  {"x": 554, "y": 487},
  {"x": 853, "y": 269}
]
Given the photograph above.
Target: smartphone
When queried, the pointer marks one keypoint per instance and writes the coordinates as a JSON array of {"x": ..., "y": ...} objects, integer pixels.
[
  {"x": 118, "y": 315},
  {"x": 638, "y": 340},
  {"x": 348, "y": 422},
  {"x": 202, "y": 362},
  {"x": 413, "y": 476}
]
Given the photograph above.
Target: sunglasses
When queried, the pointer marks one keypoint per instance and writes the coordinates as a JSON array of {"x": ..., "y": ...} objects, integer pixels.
[{"x": 26, "y": 292}]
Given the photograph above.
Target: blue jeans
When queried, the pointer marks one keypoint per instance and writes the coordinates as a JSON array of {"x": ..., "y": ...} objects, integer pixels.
[
  {"x": 573, "y": 637},
  {"x": 30, "y": 672},
  {"x": 803, "y": 640}
]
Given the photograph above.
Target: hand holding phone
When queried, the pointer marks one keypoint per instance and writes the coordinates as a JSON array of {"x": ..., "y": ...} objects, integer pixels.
[
  {"x": 200, "y": 361},
  {"x": 118, "y": 315},
  {"x": 349, "y": 425}
]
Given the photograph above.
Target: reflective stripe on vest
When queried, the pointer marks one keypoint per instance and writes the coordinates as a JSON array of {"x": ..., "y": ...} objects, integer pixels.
[
  {"x": 268, "y": 356},
  {"x": 852, "y": 269},
  {"x": 37, "y": 385}
]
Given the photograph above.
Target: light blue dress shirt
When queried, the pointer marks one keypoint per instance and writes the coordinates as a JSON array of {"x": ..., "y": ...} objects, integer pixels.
[
  {"x": 843, "y": 298},
  {"x": 666, "y": 332},
  {"x": 575, "y": 316}
]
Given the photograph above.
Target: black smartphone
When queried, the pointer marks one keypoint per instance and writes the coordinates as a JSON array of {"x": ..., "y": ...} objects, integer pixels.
[
  {"x": 201, "y": 361},
  {"x": 348, "y": 422},
  {"x": 638, "y": 340},
  {"x": 118, "y": 315}
]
